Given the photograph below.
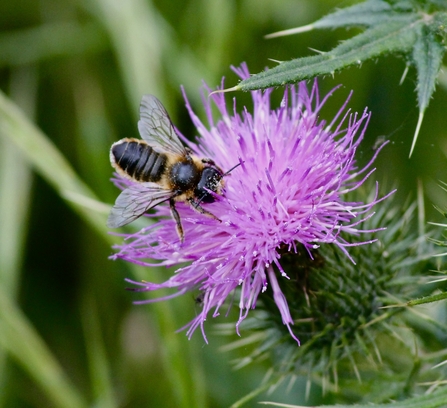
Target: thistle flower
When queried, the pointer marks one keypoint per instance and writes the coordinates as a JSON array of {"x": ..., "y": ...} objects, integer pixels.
[
  {"x": 357, "y": 321},
  {"x": 286, "y": 194}
]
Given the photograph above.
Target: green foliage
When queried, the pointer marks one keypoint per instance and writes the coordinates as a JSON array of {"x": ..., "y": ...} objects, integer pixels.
[
  {"x": 434, "y": 400},
  {"x": 405, "y": 27},
  {"x": 351, "y": 317},
  {"x": 22, "y": 342},
  {"x": 71, "y": 76}
]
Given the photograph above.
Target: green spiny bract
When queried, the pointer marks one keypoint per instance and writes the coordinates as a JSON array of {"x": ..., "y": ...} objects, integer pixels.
[{"x": 350, "y": 340}]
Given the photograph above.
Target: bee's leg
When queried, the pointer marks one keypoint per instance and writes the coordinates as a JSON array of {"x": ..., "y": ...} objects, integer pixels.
[
  {"x": 196, "y": 205},
  {"x": 176, "y": 217}
]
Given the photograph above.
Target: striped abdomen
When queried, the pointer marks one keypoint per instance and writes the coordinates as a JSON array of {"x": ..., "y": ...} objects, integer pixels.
[{"x": 138, "y": 160}]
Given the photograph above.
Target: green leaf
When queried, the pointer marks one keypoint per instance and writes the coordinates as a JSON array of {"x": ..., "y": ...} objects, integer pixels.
[
  {"x": 364, "y": 14},
  {"x": 138, "y": 35},
  {"x": 391, "y": 27},
  {"x": 49, "y": 41},
  {"x": 16, "y": 190},
  {"x": 435, "y": 400},
  {"x": 99, "y": 367},
  {"x": 427, "y": 56},
  {"x": 22, "y": 341},
  {"x": 57, "y": 171},
  {"x": 18, "y": 337},
  {"x": 428, "y": 299},
  {"x": 367, "y": 13},
  {"x": 52, "y": 165},
  {"x": 390, "y": 36}
]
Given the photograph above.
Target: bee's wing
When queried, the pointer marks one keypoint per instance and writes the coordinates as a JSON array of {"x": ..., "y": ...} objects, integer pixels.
[
  {"x": 134, "y": 201},
  {"x": 156, "y": 128}
]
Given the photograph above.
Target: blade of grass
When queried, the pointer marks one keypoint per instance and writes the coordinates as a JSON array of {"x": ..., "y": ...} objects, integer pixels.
[
  {"x": 435, "y": 400},
  {"x": 139, "y": 35},
  {"x": 51, "y": 164},
  {"x": 16, "y": 332},
  {"x": 50, "y": 40},
  {"x": 100, "y": 380},
  {"x": 15, "y": 185},
  {"x": 136, "y": 33},
  {"x": 94, "y": 133},
  {"x": 15, "y": 190},
  {"x": 25, "y": 345},
  {"x": 182, "y": 364},
  {"x": 147, "y": 51}
]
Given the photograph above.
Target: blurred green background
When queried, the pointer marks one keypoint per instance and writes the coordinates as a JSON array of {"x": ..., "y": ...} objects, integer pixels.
[{"x": 69, "y": 334}]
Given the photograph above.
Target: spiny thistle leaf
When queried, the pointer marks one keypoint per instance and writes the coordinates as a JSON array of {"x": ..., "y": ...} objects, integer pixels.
[
  {"x": 428, "y": 52},
  {"x": 443, "y": 212},
  {"x": 365, "y": 14},
  {"x": 391, "y": 27},
  {"x": 427, "y": 56},
  {"x": 436, "y": 400},
  {"x": 368, "y": 13},
  {"x": 443, "y": 186},
  {"x": 390, "y": 36},
  {"x": 427, "y": 299}
]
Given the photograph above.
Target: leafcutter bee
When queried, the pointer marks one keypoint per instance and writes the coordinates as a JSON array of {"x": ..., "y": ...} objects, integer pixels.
[{"x": 162, "y": 168}]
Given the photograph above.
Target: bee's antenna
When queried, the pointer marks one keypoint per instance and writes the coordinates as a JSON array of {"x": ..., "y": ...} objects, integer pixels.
[{"x": 229, "y": 171}]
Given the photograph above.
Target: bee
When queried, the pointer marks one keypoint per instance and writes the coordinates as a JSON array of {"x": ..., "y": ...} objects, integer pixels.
[{"x": 162, "y": 168}]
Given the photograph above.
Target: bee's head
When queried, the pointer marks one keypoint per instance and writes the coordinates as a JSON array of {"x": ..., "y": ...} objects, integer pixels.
[{"x": 211, "y": 180}]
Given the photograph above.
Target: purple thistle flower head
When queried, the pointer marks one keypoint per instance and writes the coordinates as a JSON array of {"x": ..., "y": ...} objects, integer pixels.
[{"x": 287, "y": 193}]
